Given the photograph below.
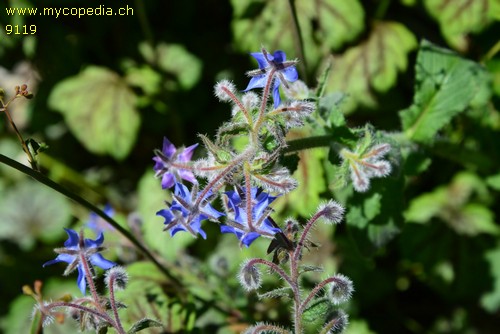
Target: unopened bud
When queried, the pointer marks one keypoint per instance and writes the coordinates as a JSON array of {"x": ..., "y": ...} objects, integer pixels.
[
  {"x": 331, "y": 211},
  {"x": 249, "y": 276},
  {"x": 116, "y": 277},
  {"x": 224, "y": 90},
  {"x": 339, "y": 322},
  {"x": 340, "y": 289}
]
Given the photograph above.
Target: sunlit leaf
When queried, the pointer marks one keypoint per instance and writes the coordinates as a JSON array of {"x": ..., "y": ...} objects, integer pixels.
[
  {"x": 324, "y": 25},
  {"x": 372, "y": 65},
  {"x": 459, "y": 18},
  {"x": 99, "y": 108},
  {"x": 458, "y": 204},
  {"x": 182, "y": 68},
  {"x": 446, "y": 85}
]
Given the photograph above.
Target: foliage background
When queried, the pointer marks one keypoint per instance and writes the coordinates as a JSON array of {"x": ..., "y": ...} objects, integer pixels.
[{"x": 422, "y": 249}]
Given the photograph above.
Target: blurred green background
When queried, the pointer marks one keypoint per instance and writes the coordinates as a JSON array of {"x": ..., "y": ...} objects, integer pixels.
[{"x": 108, "y": 88}]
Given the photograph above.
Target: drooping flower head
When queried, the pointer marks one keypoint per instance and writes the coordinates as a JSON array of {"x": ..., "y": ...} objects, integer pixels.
[
  {"x": 76, "y": 250},
  {"x": 170, "y": 164},
  {"x": 248, "y": 227},
  {"x": 276, "y": 65},
  {"x": 185, "y": 214}
]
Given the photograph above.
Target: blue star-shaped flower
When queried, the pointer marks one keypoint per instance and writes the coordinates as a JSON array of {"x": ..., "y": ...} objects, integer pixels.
[
  {"x": 74, "y": 248},
  {"x": 183, "y": 215},
  {"x": 261, "y": 224},
  {"x": 169, "y": 162},
  {"x": 283, "y": 71}
]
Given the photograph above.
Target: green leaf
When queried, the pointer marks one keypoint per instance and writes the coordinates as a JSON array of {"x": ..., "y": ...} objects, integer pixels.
[
  {"x": 324, "y": 25},
  {"x": 317, "y": 309},
  {"x": 459, "y": 18},
  {"x": 31, "y": 211},
  {"x": 494, "y": 181},
  {"x": 99, "y": 109},
  {"x": 358, "y": 327},
  {"x": 459, "y": 205},
  {"x": 446, "y": 85},
  {"x": 491, "y": 300},
  {"x": 175, "y": 60},
  {"x": 145, "y": 78},
  {"x": 143, "y": 324},
  {"x": 277, "y": 293},
  {"x": 372, "y": 64}
]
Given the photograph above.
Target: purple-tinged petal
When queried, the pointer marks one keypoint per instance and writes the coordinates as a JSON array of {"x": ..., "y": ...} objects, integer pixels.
[
  {"x": 98, "y": 260},
  {"x": 259, "y": 56},
  {"x": 187, "y": 175},
  {"x": 258, "y": 81},
  {"x": 183, "y": 192},
  {"x": 187, "y": 153},
  {"x": 73, "y": 238},
  {"x": 168, "y": 148},
  {"x": 167, "y": 181},
  {"x": 279, "y": 56},
  {"x": 81, "y": 281}
]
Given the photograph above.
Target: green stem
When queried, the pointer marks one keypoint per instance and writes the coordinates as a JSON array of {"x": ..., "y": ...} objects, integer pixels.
[
  {"x": 307, "y": 143},
  {"x": 83, "y": 202},
  {"x": 382, "y": 9},
  {"x": 492, "y": 52},
  {"x": 299, "y": 41}
]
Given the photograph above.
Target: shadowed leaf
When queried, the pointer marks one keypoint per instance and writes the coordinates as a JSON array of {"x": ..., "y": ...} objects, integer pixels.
[
  {"x": 324, "y": 24},
  {"x": 459, "y": 18},
  {"x": 372, "y": 65}
]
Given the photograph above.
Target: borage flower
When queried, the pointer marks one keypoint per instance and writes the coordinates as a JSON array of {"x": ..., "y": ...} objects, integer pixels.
[
  {"x": 170, "y": 164},
  {"x": 186, "y": 214},
  {"x": 79, "y": 253},
  {"x": 97, "y": 223},
  {"x": 276, "y": 65},
  {"x": 248, "y": 227}
]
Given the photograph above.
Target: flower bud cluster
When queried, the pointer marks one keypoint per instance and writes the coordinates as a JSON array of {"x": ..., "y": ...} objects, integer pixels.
[{"x": 243, "y": 156}]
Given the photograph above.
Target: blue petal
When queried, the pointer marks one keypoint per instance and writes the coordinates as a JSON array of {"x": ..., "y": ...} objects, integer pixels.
[
  {"x": 259, "y": 56},
  {"x": 177, "y": 228},
  {"x": 183, "y": 192},
  {"x": 279, "y": 56},
  {"x": 89, "y": 243},
  {"x": 258, "y": 81},
  {"x": 290, "y": 73},
  {"x": 98, "y": 260},
  {"x": 249, "y": 238},
  {"x": 167, "y": 214},
  {"x": 73, "y": 238},
  {"x": 82, "y": 283},
  {"x": 196, "y": 226},
  {"x": 276, "y": 94},
  {"x": 60, "y": 258}
]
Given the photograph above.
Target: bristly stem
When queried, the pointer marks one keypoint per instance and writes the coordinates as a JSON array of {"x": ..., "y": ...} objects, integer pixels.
[
  {"x": 83, "y": 202},
  {"x": 112, "y": 301}
]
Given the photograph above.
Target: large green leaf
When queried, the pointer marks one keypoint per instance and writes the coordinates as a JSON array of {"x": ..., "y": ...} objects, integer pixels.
[
  {"x": 100, "y": 110},
  {"x": 446, "y": 85},
  {"x": 491, "y": 300},
  {"x": 459, "y": 18},
  {"x": 372, "y": 65},
  {"x": 324, "y": 25}
]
